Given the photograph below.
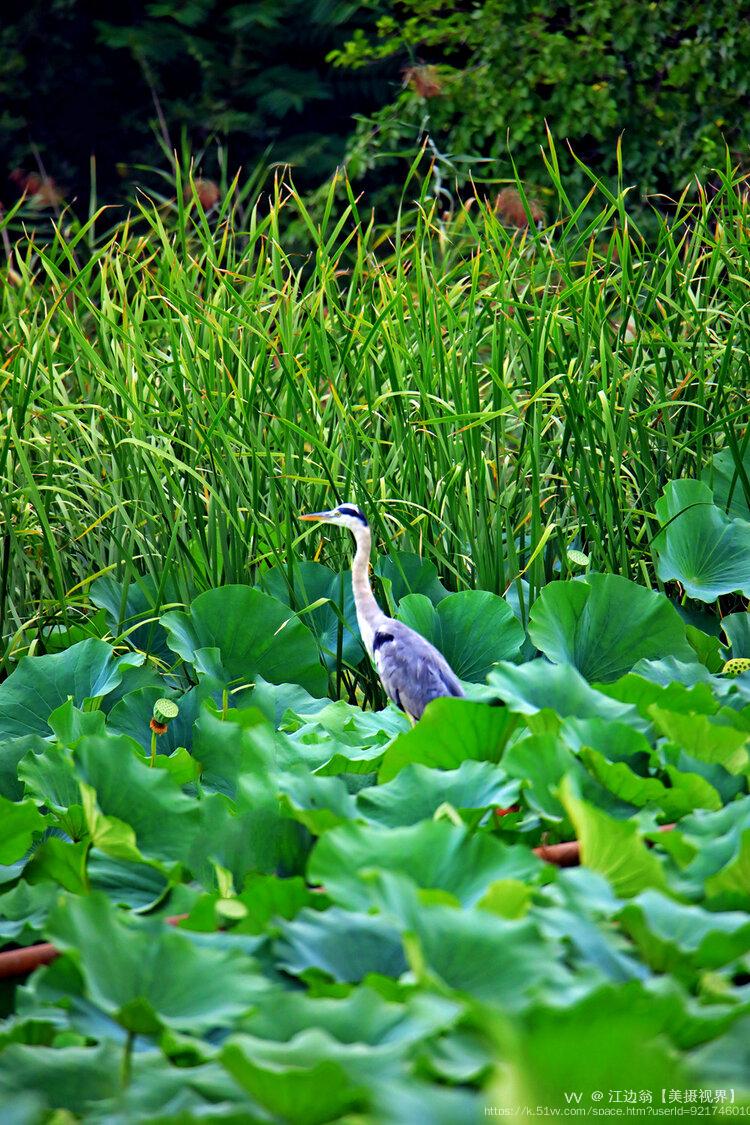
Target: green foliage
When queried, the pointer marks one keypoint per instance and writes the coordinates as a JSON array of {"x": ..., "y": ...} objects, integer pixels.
[
  {"x": 701, "y": 547},
  {"x": 486, "y": 80},
  {"x": 322, "y": 967},
  {"x": 603, "y": 625},
  {"x": 473, "y": 629},
  {"x": 165, "y": 75},
  {"x": 491, "y": 409}
]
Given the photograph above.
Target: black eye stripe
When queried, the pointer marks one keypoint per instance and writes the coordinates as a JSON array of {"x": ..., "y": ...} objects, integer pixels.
[{"x": 347, "y": 511}]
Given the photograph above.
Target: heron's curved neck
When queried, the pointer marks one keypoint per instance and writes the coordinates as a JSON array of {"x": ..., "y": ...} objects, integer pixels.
[{"x": 369, "y": 613}]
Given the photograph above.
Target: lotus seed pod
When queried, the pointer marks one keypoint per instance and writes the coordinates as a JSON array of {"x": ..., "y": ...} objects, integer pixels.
[
  {"x": 736, "y": 666},
  {"x": 578, "y": 558},
  {"x": 165, "y": 710}
]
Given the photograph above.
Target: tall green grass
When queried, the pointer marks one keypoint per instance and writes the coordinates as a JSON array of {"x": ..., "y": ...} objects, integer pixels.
[{"x": 175, "y": 393}]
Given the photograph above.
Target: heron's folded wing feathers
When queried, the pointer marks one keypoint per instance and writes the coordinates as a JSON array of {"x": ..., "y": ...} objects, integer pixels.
[{"x": 412, "y": 670}]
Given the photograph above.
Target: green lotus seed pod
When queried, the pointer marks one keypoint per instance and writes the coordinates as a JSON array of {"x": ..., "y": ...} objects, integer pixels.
[
  {"x": 736, "y": 666},
  {"x": 165, "y": 710},
  {"x": 578, "y": 558}
]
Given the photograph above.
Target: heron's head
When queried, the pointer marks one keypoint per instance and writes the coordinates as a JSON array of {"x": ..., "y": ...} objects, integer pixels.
[{"x": 346, "y": 515}]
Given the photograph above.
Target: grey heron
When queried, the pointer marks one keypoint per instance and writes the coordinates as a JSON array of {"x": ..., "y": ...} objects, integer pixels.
[{"x": 411, "y": 670}]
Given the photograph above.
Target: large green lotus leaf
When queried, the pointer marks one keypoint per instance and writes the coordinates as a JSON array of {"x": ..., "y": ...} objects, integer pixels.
[
  {"x": 449, "y": 732},
  {"x": 657, "y": 684},
  {"x": 311, "y": 582},
  {"x": 407, "y": 573},
  {"x": 729, "y": 888},
  {"x": 417, "y": 792},
  {"x": 434, "y": 854},
  {"x": 578, "y": 907},
  {"x": 737, "y": 629},
  {"x": 341, "y": 738},
  {"x": 540, "y": 762},
  {"x": 135, "y": 610},
  {"x": 133, "y": 713},
  {"x": 699, "y": 546},
  {"x": 492, "y": 959},
  {"x": 135, "y": 885},
  {"x": 252, "y": 833},
  {"x": 707, "y": 648},
  {"x": 364, "y": 1016},
  {"x": 344, "y": 945},
  {"x": 266, "y": 897},
  {"x": 709, "y": 841},
  {"x": 59, "y": 637},
  {"x": 274, "y": 700},
  {"x": 159, "y": 1091},
  {"x": 20, "y": 822},
  {"x": 254, "y": 634},
  {"x": 11, "y": 753},
  {"x": 538, "y": 686},
  {"x": 672, "y": 936},
  {"x": 724, "y": 1064},
  {"x": 724, "y": 478},
  {"x": 119, "y": 786},
  {"x": 613, "y": 1038},
  {"x": 674, "y": 800},
  {"x": 66, "y": 1078},
  {"x": 612, "y": 847},
  {"x": 473, "y": 629},
  {"x": 40, "y": 684},
  {"x": 24, "y": 910},
  {"x": 317, "y": 801},
  {"x": 242, "y": 744},
  {"x": 148, "y": 974},
  {"x": 50, "y": 778},
  {"x": 703, "y": 739},
  {"x": 617, "y": 742},
  {"x": 288, "y": 1089},
  {"x": 603, "y": 624},
  {"x": 69, "y": 723},
  {"x": 351, "y": 724},
  {"x": 255, "y": 835},
  {"x": 290, "y": 1079},
  {"x": 59, "y": 861}
]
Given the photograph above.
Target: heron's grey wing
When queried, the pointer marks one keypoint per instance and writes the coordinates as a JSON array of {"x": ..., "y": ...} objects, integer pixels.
[{"x": 413, "y": 672}]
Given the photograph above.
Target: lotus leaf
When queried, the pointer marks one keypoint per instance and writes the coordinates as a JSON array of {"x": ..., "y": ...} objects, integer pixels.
[
  {"x": 698, "y": 545},
  {"x": 603, "y": 624},
  {"x": 252, "y": 633}
]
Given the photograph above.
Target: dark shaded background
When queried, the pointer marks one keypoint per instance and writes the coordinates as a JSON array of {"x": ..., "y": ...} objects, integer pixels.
[
  {"x": 74, "y": 83},
  {"x": 308, "y": 82}
]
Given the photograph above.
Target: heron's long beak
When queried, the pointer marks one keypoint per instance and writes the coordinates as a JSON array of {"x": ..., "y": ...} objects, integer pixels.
[{"x": 317, "y": 516}]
